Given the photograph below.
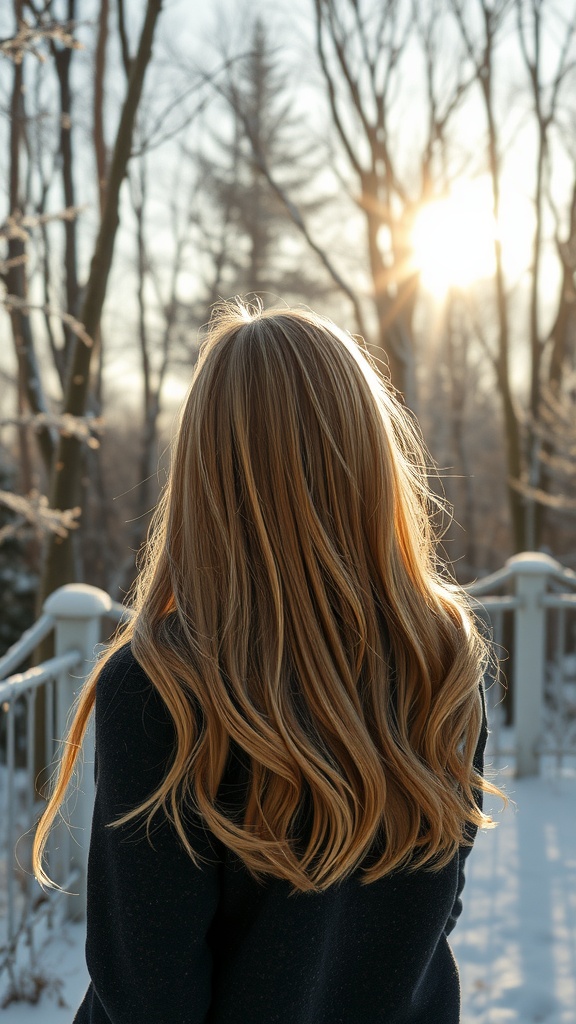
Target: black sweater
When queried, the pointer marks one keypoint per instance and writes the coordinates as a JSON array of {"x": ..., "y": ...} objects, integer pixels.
[{"x": 169, "y": 943}]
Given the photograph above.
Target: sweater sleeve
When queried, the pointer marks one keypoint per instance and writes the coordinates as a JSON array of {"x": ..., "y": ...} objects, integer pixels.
[
  {"x": 471, "y": 830},
  {"x": 149, "y": 908}
]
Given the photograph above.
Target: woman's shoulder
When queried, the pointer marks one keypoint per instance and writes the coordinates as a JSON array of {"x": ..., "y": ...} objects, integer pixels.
[
  {"x": 122, "y": 663},
  {"x": 122, "y": 685}
]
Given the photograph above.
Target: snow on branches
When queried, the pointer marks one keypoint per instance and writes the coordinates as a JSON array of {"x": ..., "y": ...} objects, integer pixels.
[
  {"x": 33, "y": 510},
  {"x": 83, "y": 428},
  {"x": 29, "y": 37}
]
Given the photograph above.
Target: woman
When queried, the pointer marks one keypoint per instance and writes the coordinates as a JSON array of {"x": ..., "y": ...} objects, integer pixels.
[{"x": 290, "y": 730}]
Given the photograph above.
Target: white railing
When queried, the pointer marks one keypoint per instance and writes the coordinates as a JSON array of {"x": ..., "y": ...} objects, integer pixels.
[
  {"x": 73, "y": 614},
  {"x": 530, "y": 610},
  {"x": 533, "y": 629}
]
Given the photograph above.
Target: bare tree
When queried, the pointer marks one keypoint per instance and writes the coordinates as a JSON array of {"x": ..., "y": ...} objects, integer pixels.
[
  {"x": 361, "y": 49},
  {"x": 156, "y": 344},
  {"x": 259, "y": 180},
  {"x": 100, "y": 151},
  {"x": 30, "y": 389},
  {"x": 522, "y": 445},
  {"x": 59, "y": 566}
]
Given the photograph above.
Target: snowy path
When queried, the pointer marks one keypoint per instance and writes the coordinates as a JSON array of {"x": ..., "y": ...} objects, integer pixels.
[{"x": 515, "y": 942}]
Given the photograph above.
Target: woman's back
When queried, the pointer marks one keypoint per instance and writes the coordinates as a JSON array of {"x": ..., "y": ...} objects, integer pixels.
[
  {"x": 294, "y": 714},
  {"x": 211, "y": 945}
]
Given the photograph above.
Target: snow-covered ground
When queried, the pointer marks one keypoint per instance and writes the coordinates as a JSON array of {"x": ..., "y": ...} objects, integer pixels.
[{"x": 515, "y": 942}]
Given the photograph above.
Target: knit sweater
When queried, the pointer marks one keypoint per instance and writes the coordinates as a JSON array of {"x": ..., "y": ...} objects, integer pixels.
[{"x": 170, "y": 943}]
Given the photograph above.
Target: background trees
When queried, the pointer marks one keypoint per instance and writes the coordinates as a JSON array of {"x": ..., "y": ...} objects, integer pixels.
[
  {"x": 296, "y": 156},
  {"x": 257, "y": 248}
]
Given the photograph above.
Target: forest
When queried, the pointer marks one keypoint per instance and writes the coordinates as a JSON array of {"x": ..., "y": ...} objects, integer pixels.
[{"x": 406, "y": 168}]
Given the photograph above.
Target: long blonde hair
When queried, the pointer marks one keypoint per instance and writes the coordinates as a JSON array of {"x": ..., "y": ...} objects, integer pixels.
[{"x": 291, "y": 601}]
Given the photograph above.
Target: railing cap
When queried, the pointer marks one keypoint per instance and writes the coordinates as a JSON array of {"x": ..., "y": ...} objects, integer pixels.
[
  {"x": 537, "y": 563},
  {"x": 527, "y": 563},
  {"x": 78, "y": 601}
]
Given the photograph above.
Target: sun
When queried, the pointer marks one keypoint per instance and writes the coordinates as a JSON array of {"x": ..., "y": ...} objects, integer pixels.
[{"x": 453, "y": 237}]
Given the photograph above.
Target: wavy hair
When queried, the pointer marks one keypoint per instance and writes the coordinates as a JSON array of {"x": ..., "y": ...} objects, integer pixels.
[{"x": 291, "y": 601}]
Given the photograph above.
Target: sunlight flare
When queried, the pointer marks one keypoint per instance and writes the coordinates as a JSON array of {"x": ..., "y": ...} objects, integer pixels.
[{"x": 453, "y": 237}]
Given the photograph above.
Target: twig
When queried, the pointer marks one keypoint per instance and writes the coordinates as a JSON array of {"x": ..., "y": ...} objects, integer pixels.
[
  {"x": 28, "y": 36},
  {"x": 34, "y": 509},
  {"x": 83, "y": 428},
  {"x": 15, "y": 302}
]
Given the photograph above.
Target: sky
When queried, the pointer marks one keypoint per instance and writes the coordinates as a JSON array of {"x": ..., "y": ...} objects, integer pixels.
[{"x": 453, "y": 249}]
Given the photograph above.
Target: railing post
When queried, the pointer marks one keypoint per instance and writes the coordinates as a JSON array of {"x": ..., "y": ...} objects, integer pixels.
[
  {"x": 77, "y": 609},
  {"x": 531, "y": 571}
]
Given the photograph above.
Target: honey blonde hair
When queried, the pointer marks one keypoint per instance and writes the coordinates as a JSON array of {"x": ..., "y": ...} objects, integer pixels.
[{"x": 291, "y": 601}]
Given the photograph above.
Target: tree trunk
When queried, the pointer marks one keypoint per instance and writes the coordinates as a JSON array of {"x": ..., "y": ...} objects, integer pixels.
[
  {"x": 394, "y": 306},
  {"x": 59, "y": 564},
  {"x": 31, "y": 391},
  {"x": 98, "y": 130},
  {"x": 62, "y": 60},
  {"x": 511, "y": 423}
]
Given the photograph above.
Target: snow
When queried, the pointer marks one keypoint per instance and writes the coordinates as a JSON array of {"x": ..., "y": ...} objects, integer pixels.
[
  {"x": 515, "y": 942},
  {"x": 64, "y": 979}
]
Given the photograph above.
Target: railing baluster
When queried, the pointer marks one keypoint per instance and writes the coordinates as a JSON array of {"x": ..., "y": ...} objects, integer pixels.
[
  {"x": 30, "y": 730},
  {"x": 30, "y": 789},
  {"x": 10, "y": 829},
  {"x": 558, "y": 697},
  {"x": 49, "y": 744},
  {"x": 49, "y": 721},
  {"x": 498, "y": 639}
]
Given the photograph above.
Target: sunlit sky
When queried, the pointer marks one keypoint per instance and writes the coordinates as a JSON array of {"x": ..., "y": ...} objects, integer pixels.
[{"x": 453, "y": 237}]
